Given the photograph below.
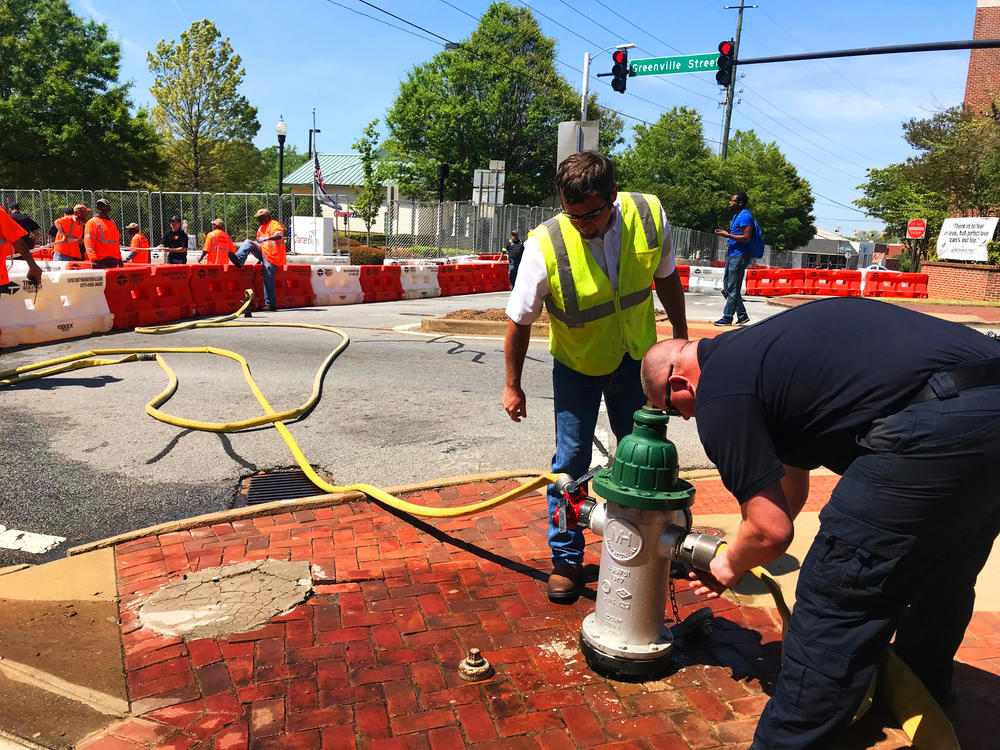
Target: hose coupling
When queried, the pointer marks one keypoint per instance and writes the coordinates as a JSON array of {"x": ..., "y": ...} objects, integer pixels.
[{"x": 693, "y": 549}]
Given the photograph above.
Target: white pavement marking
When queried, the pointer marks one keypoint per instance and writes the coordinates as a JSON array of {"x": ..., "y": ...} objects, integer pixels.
[
  {"x": 28, "y": 541},
  {"x": 109, "y": 705}
]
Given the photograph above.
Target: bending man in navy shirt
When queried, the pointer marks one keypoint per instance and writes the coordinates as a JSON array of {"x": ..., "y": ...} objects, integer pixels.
[
  {"x": 911, "y": 422},
  {"x": 737, "y": 260}
]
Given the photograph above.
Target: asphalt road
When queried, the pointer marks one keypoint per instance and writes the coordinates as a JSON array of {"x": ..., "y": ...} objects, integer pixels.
[{"x": 80, "y": 459}]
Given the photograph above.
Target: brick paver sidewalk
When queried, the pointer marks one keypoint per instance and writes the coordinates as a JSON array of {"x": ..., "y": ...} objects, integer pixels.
[{"x": 370, "y": 660}]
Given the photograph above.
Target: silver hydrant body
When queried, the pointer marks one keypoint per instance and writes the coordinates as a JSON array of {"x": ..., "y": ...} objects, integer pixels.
[{"x": 645, "y": 525}]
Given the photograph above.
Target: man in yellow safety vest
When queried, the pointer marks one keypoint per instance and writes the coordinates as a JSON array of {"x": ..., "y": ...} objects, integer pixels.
[{"x": 592, "y": 267}]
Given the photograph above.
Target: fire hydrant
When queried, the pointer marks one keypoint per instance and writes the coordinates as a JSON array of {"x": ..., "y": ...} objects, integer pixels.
[{"x": 626, "y": 636}]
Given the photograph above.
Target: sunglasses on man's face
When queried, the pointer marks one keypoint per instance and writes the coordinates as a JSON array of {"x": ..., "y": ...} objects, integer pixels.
[{"x": 589, "y": 216}]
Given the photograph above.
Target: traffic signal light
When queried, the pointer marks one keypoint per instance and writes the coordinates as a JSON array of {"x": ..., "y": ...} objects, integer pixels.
[
  {"x": 725, "y": 63},
  {"x": 619, "y": 70}
]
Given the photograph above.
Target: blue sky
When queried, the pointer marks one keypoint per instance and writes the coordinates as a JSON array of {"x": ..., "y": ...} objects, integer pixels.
[{"x": 831, "y": 118}]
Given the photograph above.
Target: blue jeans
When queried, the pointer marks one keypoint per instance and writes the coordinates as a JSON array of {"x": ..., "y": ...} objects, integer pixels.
[
  {"x": 577, "y": 402},
  {"x": 249, "y": 247},
  {"x": 732, "y": 282},
  {"x": 907, "y": 530}
]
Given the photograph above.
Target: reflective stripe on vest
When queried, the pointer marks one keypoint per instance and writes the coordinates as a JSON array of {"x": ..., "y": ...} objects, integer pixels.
[
  {"x": 67, "y": 242},
  {"x": 140, "y": 245},
  {"x": 105, "y": 243},
  {"x": 592, "y": 325},
  {"x": 274, "y": 250},
  {"x": 218, "y": 244}
]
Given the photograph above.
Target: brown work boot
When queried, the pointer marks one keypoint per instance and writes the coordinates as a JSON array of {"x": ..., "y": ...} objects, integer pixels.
[{"x": 564, "y": 583}]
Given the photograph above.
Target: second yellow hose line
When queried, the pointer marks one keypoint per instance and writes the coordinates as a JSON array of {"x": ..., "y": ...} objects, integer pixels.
[{"x": 919, "y": 715}]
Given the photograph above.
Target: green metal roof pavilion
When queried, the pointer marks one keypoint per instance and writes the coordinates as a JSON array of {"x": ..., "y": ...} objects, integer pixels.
[{"x": 339, "y": 170}]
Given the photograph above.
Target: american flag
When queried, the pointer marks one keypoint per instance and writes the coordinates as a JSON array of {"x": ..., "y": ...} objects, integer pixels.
[{"x": 320, "y": 189}]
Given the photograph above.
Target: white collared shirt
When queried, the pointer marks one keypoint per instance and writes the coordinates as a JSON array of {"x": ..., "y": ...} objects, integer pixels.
[{"x": 532, "y": 285}]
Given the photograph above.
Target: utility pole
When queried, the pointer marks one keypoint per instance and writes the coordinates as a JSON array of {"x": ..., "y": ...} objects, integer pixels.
[{"x": 731, "y": 89}]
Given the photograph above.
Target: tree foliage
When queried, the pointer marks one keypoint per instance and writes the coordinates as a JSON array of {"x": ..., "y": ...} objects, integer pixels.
[
  {"x": 498, "y": 96},
  {"x": 269, "y": 158},
  {"x": 671, "y": 160},
  {"x": 956, "y": 171},
  {"x": 65, "y": 120},
  {"x": 780, "y": 200},
  {"x": 198, "y": 106},
  {"x": 369, "y": 201}
]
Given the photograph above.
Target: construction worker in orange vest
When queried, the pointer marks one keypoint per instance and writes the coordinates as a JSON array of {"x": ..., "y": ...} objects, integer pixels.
[
  {"x": 12, "y": 240},
  {"x": 67, "y": 231},
  {"x": 139, "y": 245},
  {"x": 218, "y": 244},
  {"x": 102, "y": 239},
  {"x": 269, "y": 248}
]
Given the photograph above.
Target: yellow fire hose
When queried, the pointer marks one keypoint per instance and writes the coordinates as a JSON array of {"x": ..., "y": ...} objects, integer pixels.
[{"x": 920, "y": 717}]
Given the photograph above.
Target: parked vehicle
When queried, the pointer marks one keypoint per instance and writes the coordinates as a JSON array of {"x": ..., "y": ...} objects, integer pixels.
[{"x": 877, "y": 267}]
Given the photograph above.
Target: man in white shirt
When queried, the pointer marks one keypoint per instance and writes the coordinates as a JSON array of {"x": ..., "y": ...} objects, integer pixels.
[{"x": 593, "y": 268}]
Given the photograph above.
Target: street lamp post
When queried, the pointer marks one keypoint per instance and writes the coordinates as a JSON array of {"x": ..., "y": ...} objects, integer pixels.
[{"x": 281, "y": 130}]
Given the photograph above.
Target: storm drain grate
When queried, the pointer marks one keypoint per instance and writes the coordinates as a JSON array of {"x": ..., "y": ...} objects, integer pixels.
[{"x": 270, "y": 487}]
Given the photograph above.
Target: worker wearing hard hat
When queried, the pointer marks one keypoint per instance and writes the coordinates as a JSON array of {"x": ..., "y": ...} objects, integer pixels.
[{"x": 67, "y": 233}]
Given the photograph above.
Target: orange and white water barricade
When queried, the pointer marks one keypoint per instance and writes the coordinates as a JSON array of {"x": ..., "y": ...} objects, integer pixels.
[
  {"x": 419, "y": 281},
  {"x": 337, "y": 285},
  {"x": 68, "y": 303}
]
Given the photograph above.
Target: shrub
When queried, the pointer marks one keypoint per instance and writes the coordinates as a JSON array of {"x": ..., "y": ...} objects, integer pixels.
[{"x": 367, "y": 256}]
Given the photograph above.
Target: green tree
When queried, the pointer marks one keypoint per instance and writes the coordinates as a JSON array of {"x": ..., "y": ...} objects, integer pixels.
[
  {"x": 671, "y": 160},
  {"x": 958, "y": 158},
  {"x": 269, "y": 157},
  {"x": 780, "y": 200},
  {"x": 65, "y": 120},
  {"x": 498, "y": 96},
  {"x": 896, "y": 195},
  {"x": 198, "y": 105},
  {"x": 369, "y": 201}
]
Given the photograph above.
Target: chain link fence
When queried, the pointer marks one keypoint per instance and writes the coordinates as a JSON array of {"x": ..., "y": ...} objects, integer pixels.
[
  {"x": 152, "y": 210},
  {"x": 407, "y": 229},
  {"x": 427, "y": 229}
]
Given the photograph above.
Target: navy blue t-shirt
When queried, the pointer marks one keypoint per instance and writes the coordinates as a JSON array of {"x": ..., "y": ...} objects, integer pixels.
[
  {"x": 742, "y": 220},
  {"x": 800, "y": 387}
]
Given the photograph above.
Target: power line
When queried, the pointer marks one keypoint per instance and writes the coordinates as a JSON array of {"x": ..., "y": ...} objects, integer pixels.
[
  {"x": 838, "y": 203},
  {"x": 808, "y": 127},
  {"x": 379, "y": 20},
  {"x": 807, "y": 140},
  {"x": 789, "y": 145},
  {"x": 837, "y": 72}
]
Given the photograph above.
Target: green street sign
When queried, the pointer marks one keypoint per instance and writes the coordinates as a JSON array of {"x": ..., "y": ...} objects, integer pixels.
[{"x": 658, "y": 66}]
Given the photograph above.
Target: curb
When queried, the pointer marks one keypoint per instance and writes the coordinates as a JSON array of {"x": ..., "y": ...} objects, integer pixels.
[
  {"x": 307, "y": 503},
  {"x": 283, "y": 506},
  {"x": 480, "y": 327}
]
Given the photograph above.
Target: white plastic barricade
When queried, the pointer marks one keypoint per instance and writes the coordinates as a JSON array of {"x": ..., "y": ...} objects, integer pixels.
[
  {"x": 67, "y": 304},
  {"x": 706, "y": 279},
  {"x": 419, "y": 281},
  {"x": 337, "y": 285}
]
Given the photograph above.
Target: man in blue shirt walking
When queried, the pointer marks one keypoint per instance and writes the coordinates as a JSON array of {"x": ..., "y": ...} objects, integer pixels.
[{"x": 737, "y": 260}]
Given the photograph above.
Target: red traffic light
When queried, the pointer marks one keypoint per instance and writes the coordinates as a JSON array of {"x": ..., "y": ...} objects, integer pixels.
[
  {"x": 726, "y": 48},
  {"x": 619, "y": 56}
]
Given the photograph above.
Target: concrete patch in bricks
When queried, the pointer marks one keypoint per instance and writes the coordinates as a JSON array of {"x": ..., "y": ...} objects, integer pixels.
[{"x": 232, "y": 599}]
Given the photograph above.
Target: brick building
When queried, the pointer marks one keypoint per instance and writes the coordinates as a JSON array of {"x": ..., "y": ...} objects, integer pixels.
[{"x": 983, "y": 81}]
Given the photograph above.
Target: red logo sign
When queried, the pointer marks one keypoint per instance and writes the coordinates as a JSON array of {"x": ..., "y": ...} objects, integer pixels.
[{"x": 916, "y": 229}]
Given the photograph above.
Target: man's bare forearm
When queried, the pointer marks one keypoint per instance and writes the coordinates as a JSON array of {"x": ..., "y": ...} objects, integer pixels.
[
  {"x": 670, "y": 292},
  {"x": 515, "y": 349}
]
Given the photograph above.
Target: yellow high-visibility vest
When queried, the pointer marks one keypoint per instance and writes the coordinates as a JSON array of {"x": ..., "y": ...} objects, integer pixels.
[{"x": 591, "y": 325}]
